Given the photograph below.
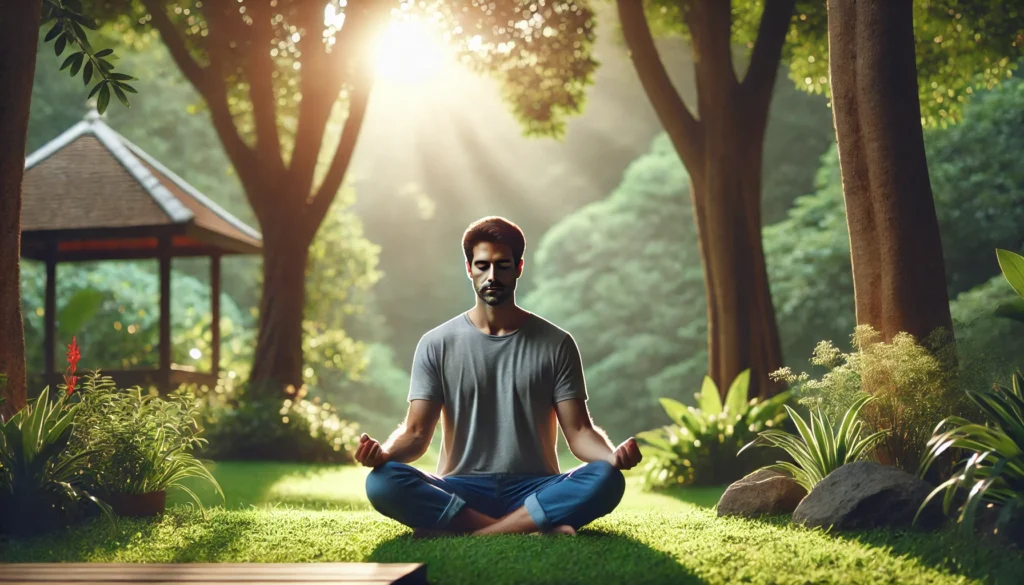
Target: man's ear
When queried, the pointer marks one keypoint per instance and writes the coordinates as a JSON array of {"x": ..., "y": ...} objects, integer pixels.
[
  {"x": 469, "y": 271},
  {"x": 519, "y": 269}
]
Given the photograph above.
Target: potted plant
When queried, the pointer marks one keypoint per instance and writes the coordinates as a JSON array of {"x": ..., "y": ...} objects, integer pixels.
[
  {"x": 41, "y": 485},
  {"x": 142, "y": 445}
]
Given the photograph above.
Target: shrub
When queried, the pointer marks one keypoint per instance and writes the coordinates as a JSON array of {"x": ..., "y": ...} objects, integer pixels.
[
  {"x": 39, "y": 489},
  {"x": 138, "y": 443},
  {"x": 913, "y": 384},
  {"x": 240, "y": 426},
  {"x": 702, "y": 445},
  {"x": 994, "y": 473},
  {"x": 821, "y": 448}
]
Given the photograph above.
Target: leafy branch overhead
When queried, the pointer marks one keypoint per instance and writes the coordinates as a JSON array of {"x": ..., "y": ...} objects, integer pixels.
[{"x": 68, "y": 29}]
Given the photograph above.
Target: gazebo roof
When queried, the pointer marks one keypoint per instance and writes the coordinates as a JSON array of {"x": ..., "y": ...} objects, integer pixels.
[{"x": 93, "y": 195}]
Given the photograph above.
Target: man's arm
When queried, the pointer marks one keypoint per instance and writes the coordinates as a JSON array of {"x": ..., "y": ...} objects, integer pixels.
[
  {"x": 410, "y": 440},
  {"x": 590, "y": 443},
  {"x": 408, "y": 443}
]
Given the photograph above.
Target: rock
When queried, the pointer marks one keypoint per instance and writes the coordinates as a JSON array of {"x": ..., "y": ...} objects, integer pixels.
[
  {"x": 764, "y": 492},
  {"x": 863, "y": 495}
]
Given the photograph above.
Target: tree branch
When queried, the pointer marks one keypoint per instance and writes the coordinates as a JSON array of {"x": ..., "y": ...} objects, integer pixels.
[
  {"x": 209, "y": 83},
  {"x": 359, "y": 98},
  {"x": 764, "y": 60},
  {"x": 684, "y": 130},
  {"x": 320, "y": 85},
  {"x": 259, "y": 69}
]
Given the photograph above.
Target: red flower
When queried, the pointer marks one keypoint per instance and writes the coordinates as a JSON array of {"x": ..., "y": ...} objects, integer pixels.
[{"x": 73, "y": 356}]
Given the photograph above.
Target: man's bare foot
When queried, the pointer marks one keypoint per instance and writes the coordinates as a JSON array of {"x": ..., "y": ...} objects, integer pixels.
[{"x": 564, "y": 529}]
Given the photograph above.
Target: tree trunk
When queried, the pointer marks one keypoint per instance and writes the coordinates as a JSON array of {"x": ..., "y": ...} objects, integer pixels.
[
  {"x": 722, "y": 153},
  {"x": 278, "y": 361},
  {"x": 19, "y": 36},
  {"x": 899, "y": 277}
]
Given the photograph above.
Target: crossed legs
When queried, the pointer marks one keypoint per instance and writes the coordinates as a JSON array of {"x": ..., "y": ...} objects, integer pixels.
[{"x": 556, "y": 504}]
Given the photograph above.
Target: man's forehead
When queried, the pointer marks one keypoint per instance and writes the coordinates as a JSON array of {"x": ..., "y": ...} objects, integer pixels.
[{"x": 491, "y": 252}]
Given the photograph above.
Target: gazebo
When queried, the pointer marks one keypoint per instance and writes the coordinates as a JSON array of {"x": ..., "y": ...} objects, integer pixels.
[{"x": 90, "y": 194}]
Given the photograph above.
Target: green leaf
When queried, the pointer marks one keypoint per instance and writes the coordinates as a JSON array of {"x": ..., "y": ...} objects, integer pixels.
[
  {"x": 77, "y": 65},
  {"x": 54, "y": 31},
  {"x": 736, "y": 399},
  {"x": 1012, "y": 266},
  {"x": 104, "y": 99},
  {"x": 96, "y": 89},
  {"x": 127, "y": 87},
  {"x": 120, "y": 96},
  {"x": 79, "y": 309},
  {"x": 121, "y": 76},
  {"x": 104, "y": 53},
  {"x": 87, "y": 73},
  {"x": 67, "y": 62},
  {"x": 62, "y": 42},
  {"x": 709, "y": 402}
]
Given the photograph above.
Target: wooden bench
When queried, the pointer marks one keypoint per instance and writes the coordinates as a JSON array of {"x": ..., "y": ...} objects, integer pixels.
[{"x": 214, "y": 573}]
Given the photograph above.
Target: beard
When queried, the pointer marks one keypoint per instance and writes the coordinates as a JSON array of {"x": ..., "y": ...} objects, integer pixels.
[{"x": 496, "y": 297}]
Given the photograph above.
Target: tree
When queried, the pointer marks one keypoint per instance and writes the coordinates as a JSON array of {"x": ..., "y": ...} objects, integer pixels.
[
  {"x": 20, "y": 32},
  {"x": 721, "y": 143},
  {"x": 271, "y": 76}
]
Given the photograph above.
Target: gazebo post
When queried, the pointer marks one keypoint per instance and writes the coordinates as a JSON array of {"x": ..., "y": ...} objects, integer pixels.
[
  {"x": 165, "y": 313},
  {"x": 50, "y": 312},
  {"x": 215, "y": 312}
]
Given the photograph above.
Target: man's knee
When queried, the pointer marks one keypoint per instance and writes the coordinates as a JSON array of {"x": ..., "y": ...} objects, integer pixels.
[
  {"x": 609, "y": 483},
  {"x": 383, "y": 484}
]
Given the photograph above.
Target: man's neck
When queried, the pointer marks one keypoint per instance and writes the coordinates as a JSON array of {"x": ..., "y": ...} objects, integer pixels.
[{"x": 500, "y": 320}]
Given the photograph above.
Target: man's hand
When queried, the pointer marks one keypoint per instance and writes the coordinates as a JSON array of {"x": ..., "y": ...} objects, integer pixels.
[
  {"x": 370, "y": 453},
  {"x": 627, "y": 455}
]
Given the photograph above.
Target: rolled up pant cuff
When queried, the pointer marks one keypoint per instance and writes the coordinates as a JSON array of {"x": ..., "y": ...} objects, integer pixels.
[
  {"x": 537, "y": 513},
  {"x": 453, "y": 508}
]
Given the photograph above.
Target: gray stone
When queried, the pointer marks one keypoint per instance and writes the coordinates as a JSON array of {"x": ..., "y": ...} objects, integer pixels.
[
  {"x": 865, "y": 495},
  {"x": 764, "y": 492}
]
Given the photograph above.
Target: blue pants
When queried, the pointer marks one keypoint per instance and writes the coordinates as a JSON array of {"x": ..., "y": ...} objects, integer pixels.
[{"x": 422, "y": 500}]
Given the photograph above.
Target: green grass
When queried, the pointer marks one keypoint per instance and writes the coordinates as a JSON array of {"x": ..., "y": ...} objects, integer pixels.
[{"x": 300, "y": 513}]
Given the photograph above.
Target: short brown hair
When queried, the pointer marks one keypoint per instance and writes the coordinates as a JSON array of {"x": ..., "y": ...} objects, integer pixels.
[{"x": 496, "y": 230}]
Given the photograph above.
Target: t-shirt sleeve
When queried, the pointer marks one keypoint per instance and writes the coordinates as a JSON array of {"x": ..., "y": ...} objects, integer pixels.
[
  {"x": 569, "y": 379},
  {"x": 425, "y": 379}
]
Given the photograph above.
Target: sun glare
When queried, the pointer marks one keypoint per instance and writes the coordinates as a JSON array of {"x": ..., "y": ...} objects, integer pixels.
[{"x": 408, "y": 52}]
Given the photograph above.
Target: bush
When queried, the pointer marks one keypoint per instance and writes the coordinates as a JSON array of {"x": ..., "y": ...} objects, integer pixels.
[
  {"x": 703, "y": 445},
  {"x": 242, "y": 426},
  {"x": 821, "y": 448},
  {"x": 138, "y": 443},
  {"x": 914, "y": 387}
]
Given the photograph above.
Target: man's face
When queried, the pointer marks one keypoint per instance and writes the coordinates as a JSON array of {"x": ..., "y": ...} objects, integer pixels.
[{"x": 493, "y": 272}]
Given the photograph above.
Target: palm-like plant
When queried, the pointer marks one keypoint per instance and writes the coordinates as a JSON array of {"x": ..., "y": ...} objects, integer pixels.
[
  {"x": 821, "y": 448},
  {"x": 701, "y": 447},
  {"x": 994, "y": 473},
  {"x": 38, "y": 487}
]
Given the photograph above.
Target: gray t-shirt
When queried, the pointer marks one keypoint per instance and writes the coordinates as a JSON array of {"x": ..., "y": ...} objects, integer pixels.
[{"x": 498, "y": 394}]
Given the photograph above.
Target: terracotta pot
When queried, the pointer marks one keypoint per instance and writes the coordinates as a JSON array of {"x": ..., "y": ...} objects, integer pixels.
[{"x": 138, "y": 505}]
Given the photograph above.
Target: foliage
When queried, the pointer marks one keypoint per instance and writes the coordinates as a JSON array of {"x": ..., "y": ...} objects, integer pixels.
[
  {"x": 961, "y": 48},
  {"x": 124, "y": 330},
  {"x": 69, "y": 29},
  {"x": 994, "y": 473},
  {"x": 702, "y": 445},
  {"x": 241, "y": 425},
  {"x": 913, "y": 384},
  {"x": 979, "y": 198},
  {"x": 39, "y": 487},
  {"x": 820, "y": 448},
  {"x": 139, "y": 443}
]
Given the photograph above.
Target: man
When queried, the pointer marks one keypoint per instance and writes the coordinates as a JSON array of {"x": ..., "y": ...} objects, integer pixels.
[{"x": 501, "y": 376}]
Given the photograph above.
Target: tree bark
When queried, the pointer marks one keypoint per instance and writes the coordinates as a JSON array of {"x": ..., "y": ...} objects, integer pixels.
[
  {"x": 722, "y": 153},
  {"x": 278, "y": 361},
  {"x": 19, "y": 37},
  {"x": 899, "y": 277}
]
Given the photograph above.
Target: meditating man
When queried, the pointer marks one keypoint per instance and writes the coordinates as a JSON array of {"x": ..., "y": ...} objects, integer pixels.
[{"x": 501, "y": 376}]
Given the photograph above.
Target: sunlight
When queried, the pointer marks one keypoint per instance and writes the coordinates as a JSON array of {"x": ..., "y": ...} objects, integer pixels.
[{"x": 407, "y": 52}]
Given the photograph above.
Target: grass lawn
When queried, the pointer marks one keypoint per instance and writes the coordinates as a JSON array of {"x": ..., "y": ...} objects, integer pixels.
[{"x": 299, "y": 513}]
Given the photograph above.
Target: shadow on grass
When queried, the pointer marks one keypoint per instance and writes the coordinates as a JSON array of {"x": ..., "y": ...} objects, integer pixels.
[
  {"x": 91, "y": 540},
  {"x": 593, "y": 556},
  {"x": 983, "y": 559}
]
